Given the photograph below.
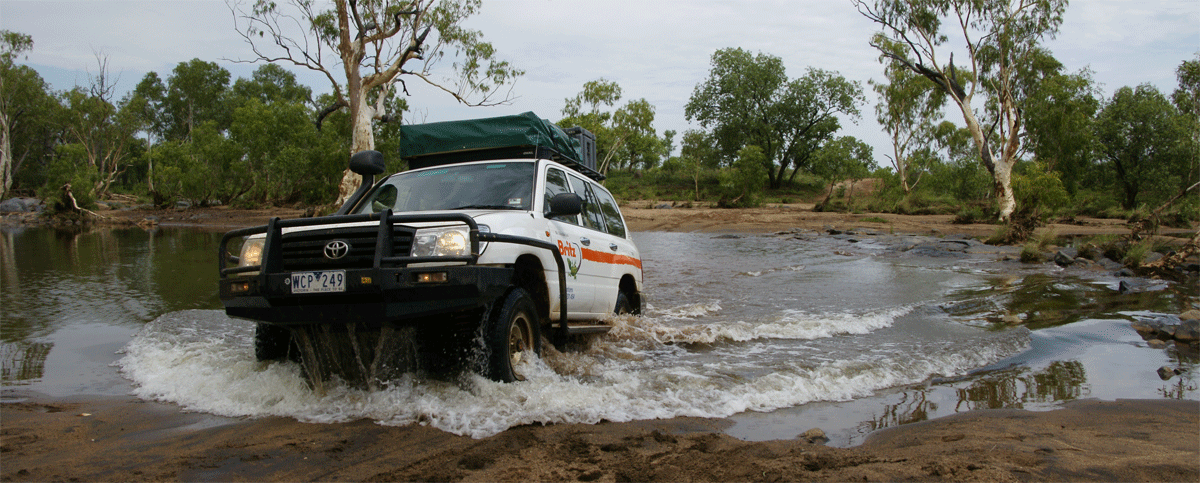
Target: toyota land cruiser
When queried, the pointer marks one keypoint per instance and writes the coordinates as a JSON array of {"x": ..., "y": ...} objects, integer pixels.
[{"x": 498, "y": 234}]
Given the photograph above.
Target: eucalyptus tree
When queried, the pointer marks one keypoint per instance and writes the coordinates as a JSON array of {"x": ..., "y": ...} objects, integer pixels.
[
  {"x": 99, "y": 131},
  {"x": 625, "y": 138},
  {"x": 1001, "y": 37},
  {"x": 365, "y": 49},
  {"x": 1142, "y": 136},
  {"x": 640, "y": 146},
  {"x": 747, "y": 100},
  {"x": 1187, "y": 100},
  {"x": 1060, "y": 111},
  {"x": 841, "y": 159},
  {"x": 28, "y": 111},
  {"x": 909, "y": 110}
]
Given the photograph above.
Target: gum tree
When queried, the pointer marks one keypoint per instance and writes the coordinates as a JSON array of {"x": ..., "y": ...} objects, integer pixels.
[
  {"x": 747, "y": 100},
  {"x": 1001, "y": 37},
  {"x": 366, "y": 48},
  {"x": 909, "y": 112}
]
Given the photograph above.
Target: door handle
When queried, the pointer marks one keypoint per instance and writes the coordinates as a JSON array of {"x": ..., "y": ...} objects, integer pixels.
[
  {"x": 612, "y": 246},
  {"x": 585, "y": 241}
]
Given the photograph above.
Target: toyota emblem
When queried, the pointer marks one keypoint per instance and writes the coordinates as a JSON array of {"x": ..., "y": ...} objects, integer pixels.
[{"x": 336, "y": 249}]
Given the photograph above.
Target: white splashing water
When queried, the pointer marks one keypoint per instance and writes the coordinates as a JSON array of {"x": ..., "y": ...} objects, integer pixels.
[{"x": 662, "y": 366}]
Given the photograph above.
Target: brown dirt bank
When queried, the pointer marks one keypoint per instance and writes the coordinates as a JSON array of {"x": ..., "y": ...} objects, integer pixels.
[
  {"x": 641, "y": 216},
  {"x": 126, "y": 440}
]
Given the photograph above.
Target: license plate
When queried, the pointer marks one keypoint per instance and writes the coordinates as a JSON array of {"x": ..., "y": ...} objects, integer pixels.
[{"x": 326, "y": 281}]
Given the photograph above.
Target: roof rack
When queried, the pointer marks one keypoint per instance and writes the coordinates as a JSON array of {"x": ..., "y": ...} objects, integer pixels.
[{"x": 507, "y": 137}]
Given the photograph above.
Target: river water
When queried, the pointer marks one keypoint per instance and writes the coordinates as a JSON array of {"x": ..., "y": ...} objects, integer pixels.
[{"x": 775, "y": 333}]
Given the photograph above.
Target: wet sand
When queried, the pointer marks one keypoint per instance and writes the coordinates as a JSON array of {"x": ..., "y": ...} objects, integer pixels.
[
  {"x": 125, "y": 439},
  {"x": 117, "y": 439}
]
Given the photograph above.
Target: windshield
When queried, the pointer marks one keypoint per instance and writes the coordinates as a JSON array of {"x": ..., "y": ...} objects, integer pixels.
[{"x": 502, "y": 185}]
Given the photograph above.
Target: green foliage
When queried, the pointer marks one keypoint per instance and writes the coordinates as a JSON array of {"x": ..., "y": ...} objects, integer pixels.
[
  {"x": 65, "y": 169},
  {"x": 1136, "y": 253},
  {"x": 909, "y": 109},
  {"x": 626, "y": 138},
  {"x": 970, "y": 215},
  {"x": 1038, "y": 189},
  {"x": 1030, "y": 253},
  {"x": 194, "y": 94},
  {"x": 790, "y": 120},
  {"x": 742, "y": 183},
  {"x": 13, "y": 44},
  {"x": 844, "y": 158},
  {"x": 1060, "y": 119},
  {"x": 1143, "y": 144},
  {"x": 34, "y": 120}
]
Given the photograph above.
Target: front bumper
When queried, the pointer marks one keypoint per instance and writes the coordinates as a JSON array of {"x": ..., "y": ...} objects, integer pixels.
[
  {"x": 388, "y": 292},
  {"x": 373, "y": 297}
]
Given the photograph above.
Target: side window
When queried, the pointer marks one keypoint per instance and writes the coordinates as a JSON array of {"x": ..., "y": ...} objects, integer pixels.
[
  {"x": 612, "y": 214},
  {"x": 556, "y": 182},
  {"x": 591, "y": 209}
]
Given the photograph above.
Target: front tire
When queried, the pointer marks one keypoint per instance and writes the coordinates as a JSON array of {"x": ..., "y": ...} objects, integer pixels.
[
  {"x": 271, "y": 342},
  {"x": 511, "y": 337}
]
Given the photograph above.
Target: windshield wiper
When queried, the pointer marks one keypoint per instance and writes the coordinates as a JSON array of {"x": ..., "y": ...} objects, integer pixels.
[{"x": 488, "y": 207}]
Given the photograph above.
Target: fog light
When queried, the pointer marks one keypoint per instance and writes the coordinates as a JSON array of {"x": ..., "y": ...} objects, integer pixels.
[
  {"x": 433, "y": 277},
  {"x": 239, "y": 287}
]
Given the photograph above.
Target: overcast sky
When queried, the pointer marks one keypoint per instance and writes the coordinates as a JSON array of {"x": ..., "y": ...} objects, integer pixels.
[{"x": 654, "y": 49}]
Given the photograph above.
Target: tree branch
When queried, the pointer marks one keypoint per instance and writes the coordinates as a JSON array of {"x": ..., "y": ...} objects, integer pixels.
[{"x": 330, "y": 109}]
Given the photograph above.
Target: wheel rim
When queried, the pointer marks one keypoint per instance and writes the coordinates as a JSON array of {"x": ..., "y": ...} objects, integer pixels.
[{"x": 520, "y": 343}]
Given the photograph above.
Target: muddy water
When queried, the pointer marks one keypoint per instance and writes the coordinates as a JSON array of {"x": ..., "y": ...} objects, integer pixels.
[{"x": 778, "y": 334}]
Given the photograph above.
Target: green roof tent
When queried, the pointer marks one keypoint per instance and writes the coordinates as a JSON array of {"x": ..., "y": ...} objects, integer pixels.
[{"x": 520, "y": 136}]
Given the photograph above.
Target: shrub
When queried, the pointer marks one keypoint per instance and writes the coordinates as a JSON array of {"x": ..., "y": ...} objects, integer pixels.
[
  {"x": 969, "y": 215},
  {"x": 1030, "y": 253},
  {"x": 1135, "y": 253}
]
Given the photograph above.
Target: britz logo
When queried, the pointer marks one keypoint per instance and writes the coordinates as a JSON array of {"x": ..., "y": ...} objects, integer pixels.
[
  {"x": 573, "y": 255},
  {"x": 566, "y": 250}
]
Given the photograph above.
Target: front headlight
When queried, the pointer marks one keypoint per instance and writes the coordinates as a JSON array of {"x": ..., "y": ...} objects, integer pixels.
[
  {"x": 252, "y": 250},
  {"x": 442, "y": 242}
]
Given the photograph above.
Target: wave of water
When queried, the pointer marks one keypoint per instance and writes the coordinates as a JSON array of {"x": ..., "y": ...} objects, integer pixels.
[{"x": 662, "y": 366}]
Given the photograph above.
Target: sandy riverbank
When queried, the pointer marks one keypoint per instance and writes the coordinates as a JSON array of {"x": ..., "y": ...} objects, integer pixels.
[
  {"x": 124, "y": 439},
  {"x": 642, "y": 216},
  {"x": 128, "y": 440}
]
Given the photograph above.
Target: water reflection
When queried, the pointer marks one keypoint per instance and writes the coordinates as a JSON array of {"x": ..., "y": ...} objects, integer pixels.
[
  {"x": 1014, "y": 388},
  {"x": 1020, "y": 386},
  {"x": 21, "y": 362},
  {"x": 1046, "y": 300},
  {"x": 56, "y": 279}
]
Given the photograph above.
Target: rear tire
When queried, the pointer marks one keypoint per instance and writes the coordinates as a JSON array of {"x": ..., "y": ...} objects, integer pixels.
[
  {"x": 511, "y": 337},
  {"x": 271, "y": 342},
  {"x": 623, "y": 306}
]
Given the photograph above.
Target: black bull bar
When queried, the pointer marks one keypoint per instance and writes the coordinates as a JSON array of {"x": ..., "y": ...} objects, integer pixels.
[{"x": 273, "y": 245}]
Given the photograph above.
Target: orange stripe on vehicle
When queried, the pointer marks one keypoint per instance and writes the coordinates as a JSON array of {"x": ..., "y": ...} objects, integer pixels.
[{"x": 613, "y": 258}]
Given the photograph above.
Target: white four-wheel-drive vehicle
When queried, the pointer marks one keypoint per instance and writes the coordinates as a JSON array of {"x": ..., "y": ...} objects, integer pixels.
[{"x": 497, "y": 235}]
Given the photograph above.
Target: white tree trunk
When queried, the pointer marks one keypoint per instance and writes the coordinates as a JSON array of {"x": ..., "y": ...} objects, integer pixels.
[
  {"x": 1001, "y": 169},
  {"x": 6, "y": 160},
  {"x": 362, "y": 139}
]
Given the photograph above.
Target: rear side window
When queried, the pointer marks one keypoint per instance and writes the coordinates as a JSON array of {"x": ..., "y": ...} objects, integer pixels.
[
  {"x": 612, "y": 214},
  {"x": 591, "y": 207},
  {"x": 556, "y": 183}
]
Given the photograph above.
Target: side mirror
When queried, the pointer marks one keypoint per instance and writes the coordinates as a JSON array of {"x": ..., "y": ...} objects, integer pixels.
[
  {"x": 565, "y": 204},
  {"x": 367, "y": 163}
]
